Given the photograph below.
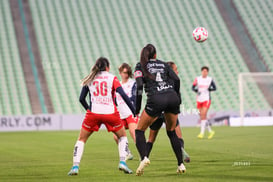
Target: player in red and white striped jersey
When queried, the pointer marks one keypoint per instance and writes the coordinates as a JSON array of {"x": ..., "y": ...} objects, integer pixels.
[
  {"x": 101, "y": 87},
  {"x": 203, "y": 85},
  {"x": 126, "y": 115}
]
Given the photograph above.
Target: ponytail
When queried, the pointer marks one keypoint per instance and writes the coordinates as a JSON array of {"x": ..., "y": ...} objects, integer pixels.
[
  {"x": 100, "y": 65},
  {"x": 148, "y": 52},
  {"x": 89, "y": 78}
]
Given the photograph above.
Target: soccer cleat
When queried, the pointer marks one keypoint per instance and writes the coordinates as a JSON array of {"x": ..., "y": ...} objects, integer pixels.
[
  {"x": 129, "y": 156},
  {"x": 123, "y": 167},
  {"x": 211, "y": 134},
  {"x": 181, "y": 169},
  {"x": 73, "y": 171},
  {"x": 140, "y": 170},
  {"x": 186, "y": 157},
  {"x": 200, "y": 136}
]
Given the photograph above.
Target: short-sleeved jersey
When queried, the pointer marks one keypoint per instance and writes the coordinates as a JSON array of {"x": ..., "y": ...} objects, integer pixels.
[
  {"x": 162, "y": 82},
  {"x": 203, "y": 85},
  {"x": 124, "y": 110},
  {"x": 102, "y": 90}
]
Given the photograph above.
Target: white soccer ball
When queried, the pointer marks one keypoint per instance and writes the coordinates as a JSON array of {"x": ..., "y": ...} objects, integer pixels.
[{"x": 200, "y": 34}]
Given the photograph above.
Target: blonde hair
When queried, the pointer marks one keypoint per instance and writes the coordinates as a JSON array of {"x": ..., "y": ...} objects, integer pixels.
[{"x": 101, "y": 64}]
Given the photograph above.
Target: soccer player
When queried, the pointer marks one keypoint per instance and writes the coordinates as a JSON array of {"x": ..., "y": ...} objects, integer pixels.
[
  {"x": 129, "y": 87},
  {"x": 162, "y": 87},
  {"x": 154, "y": 128},
  {"x": 101, "y": 86},
  {"x": 203, "y": 85}
]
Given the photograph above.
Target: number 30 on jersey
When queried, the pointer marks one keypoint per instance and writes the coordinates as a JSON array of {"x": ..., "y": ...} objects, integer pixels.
[{"x": 101, "y": 88}]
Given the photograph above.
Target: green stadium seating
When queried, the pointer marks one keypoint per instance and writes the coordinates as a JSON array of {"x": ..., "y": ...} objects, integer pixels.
[
  {"x": 257, "y": 16},
  {"x": 73, "y": 34},
  {"x": 14, "y": 98}
]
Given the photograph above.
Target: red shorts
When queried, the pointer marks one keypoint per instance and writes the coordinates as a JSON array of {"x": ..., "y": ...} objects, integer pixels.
[
  {"x": 93, "y": 121},
  {"x": 203, "y": 104},
  {"x": 129, "y": 120}
]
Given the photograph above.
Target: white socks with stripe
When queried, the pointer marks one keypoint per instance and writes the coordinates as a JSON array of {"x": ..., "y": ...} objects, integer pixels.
[
  {"x": 122, "y": 148},
  {"x": 78, "y": 151},
  {"x": 208, "y": 127},
  {"x": 203, "y": 126}
]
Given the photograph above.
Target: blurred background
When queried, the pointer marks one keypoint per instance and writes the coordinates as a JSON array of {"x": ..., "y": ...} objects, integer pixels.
[{"x": 48, "y": 46}]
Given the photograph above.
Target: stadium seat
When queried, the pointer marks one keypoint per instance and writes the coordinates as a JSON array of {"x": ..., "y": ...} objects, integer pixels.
[
  {"x": 74, "y": 34},
  {"x": 14, "y": 96},
  {"x": 258, "y": 19}
]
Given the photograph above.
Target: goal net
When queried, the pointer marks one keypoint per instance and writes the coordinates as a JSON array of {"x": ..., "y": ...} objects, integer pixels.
[{"x": 256, "y": 95}]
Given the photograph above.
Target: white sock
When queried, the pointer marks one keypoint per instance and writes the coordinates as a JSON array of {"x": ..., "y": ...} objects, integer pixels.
[
  {"x": 203, "y": 126},
  {"x": 122, "y": 147},
  {"x": 208, "y": 127},
  {"x": 128, "y": 150},
  {"x": 78, "y": 151}
]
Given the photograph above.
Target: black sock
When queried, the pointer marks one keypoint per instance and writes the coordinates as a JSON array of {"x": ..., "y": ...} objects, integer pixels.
[
  {"x": 181, "y": 142},
  {"x": 176, "y": 145},
  {"x": 149, "y": 146},
  {"x": 141, "y": 143}
]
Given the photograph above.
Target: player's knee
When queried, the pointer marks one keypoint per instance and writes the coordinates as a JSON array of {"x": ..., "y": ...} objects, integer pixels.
[{"x": 120, "y": 133}]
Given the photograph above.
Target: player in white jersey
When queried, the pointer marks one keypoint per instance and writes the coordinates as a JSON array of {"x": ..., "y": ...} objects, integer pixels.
[
  {"x": 203, "y": 85},
  {"x": 126, "y": 115},
  {"x": 101, "y": 86}
]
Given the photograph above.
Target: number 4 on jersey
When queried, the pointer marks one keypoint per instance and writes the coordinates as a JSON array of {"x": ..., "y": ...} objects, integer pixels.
[{"x": 158, "y": 77}]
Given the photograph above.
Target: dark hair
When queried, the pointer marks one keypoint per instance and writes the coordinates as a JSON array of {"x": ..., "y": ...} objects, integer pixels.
[
  {"x": 126, "y": 66},
  {"x": 205, "y": 67},
  {"x": 171, "y": 63},
  {"x": 101, "y": 64},
  {"x": 147, "y": 53}
]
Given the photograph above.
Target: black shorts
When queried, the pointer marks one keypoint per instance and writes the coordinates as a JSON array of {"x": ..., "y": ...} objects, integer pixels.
[
  {"x": 159, "y": 121},
  {"x": 167, "y": 102}
]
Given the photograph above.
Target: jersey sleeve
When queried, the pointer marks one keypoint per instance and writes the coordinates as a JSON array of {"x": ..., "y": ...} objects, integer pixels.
[
  {"x": 133, "y": 93},
  {"x": 116, "y": 83},
  {"x": 194, "y": 82},
  {"x": 194, "y": 85},
  {"x": 138, "y": 71},
  {"x": 84, "y": 92},
  {"x": 175, "y": 79},
  {"x": 126, "y": 99},
  {"x": 212, "y": 86},
  {"x": 138, "y": 74}
]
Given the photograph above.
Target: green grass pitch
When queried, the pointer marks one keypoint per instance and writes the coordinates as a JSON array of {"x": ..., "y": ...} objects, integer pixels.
[{"x": 234, "y": 154}]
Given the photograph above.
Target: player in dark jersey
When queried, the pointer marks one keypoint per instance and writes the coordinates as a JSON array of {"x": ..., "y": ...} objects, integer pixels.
[
  {"x": 155, "y": 127},
  {"x": 162, "y": 86}
]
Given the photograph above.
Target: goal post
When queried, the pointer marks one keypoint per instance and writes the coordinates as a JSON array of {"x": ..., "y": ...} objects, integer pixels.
[{"x": 255, "y": 93}]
